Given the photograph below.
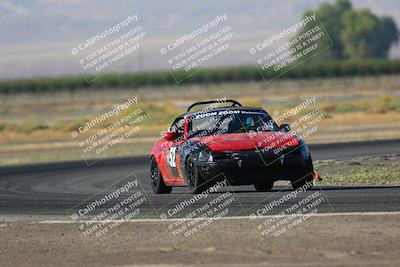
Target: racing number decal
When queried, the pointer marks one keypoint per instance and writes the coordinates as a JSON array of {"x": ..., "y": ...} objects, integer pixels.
[{"x": 172, "y": 157}]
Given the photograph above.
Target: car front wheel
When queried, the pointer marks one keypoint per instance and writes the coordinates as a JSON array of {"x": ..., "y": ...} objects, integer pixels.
[
  {"x": 264, "y": 187},
  {"x": 193, "y": 179},
  {"x": 305, "y": 182},
  {"x": 157, "y": 182}
]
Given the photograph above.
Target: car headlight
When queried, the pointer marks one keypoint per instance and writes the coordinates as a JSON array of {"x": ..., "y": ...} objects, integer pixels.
[{"x": 205, "y": 155}]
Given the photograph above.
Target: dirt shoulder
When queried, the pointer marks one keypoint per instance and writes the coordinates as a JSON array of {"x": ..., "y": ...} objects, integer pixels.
[{"x": 362, "y": 240}]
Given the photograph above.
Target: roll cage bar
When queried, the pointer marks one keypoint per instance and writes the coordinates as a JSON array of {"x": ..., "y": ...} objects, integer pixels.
[{"x": 234, "y": 103}]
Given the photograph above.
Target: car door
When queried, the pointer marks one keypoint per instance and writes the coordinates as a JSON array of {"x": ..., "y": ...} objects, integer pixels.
[{"x": 170, "y": 152}]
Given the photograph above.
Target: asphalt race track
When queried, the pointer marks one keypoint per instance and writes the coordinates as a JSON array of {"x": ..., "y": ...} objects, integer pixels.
[{"x": 54, "y": 188}]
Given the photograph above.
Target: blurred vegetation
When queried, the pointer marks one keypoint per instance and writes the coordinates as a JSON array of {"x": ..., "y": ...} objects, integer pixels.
[
  {"x": 378, "y": 105},
  {"x": 335, "y": 68},
  {"x": 356, "y": 34},
  {"x": 164, "y": 112}
]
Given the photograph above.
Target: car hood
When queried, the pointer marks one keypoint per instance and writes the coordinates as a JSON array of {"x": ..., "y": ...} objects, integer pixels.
[{"x": 247, "y": 141}]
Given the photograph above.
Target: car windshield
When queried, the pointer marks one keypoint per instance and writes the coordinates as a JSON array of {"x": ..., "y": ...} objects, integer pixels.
[{"x": 229, "y": 121}]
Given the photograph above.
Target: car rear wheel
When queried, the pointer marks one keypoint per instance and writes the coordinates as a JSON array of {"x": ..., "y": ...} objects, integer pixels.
[
  {"x": 193, "y": 179},
  {"x": 264, "y": 187},
  {"x": 157, "y": 182}
]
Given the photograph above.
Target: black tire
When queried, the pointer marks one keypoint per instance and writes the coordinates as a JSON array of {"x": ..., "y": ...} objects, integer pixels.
[
  {"x": 264, "y": 187},
  {"x": 306, "y": 182},
  {"x": 157, "y": 182},
  {"x": 193, "y": 179}
]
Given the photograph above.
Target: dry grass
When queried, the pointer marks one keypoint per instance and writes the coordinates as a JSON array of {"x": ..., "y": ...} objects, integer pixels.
[
  {"x": 355, "y": 109},
  {"x": 377, "y": 171}
]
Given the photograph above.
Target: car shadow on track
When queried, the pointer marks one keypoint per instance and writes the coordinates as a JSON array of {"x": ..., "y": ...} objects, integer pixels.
[
  {"x": 324, "y": 188},
  {"x": 289, "y": 189}
]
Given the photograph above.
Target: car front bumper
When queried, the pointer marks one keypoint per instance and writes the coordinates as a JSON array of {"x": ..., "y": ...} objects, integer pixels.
[{"x": 250, "y": 167}]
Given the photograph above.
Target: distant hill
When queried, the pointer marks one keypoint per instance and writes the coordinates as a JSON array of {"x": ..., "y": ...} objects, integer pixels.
[{"x": 37, "y": 35}]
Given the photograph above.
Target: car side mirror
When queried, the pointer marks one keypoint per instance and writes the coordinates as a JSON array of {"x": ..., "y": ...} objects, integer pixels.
[
  {"x": 285, "y": 127},
  {"x": 169, "y": 136}
]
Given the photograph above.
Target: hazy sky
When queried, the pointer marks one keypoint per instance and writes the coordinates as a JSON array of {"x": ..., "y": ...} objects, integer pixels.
[{"x": 37, "y": 35}]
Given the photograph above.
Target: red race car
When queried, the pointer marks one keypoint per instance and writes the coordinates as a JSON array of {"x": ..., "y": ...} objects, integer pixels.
[{"x": 240, "y": 145}]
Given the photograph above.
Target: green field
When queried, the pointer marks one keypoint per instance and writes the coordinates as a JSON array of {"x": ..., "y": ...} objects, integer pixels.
[{"x": 204, "y": 76}]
